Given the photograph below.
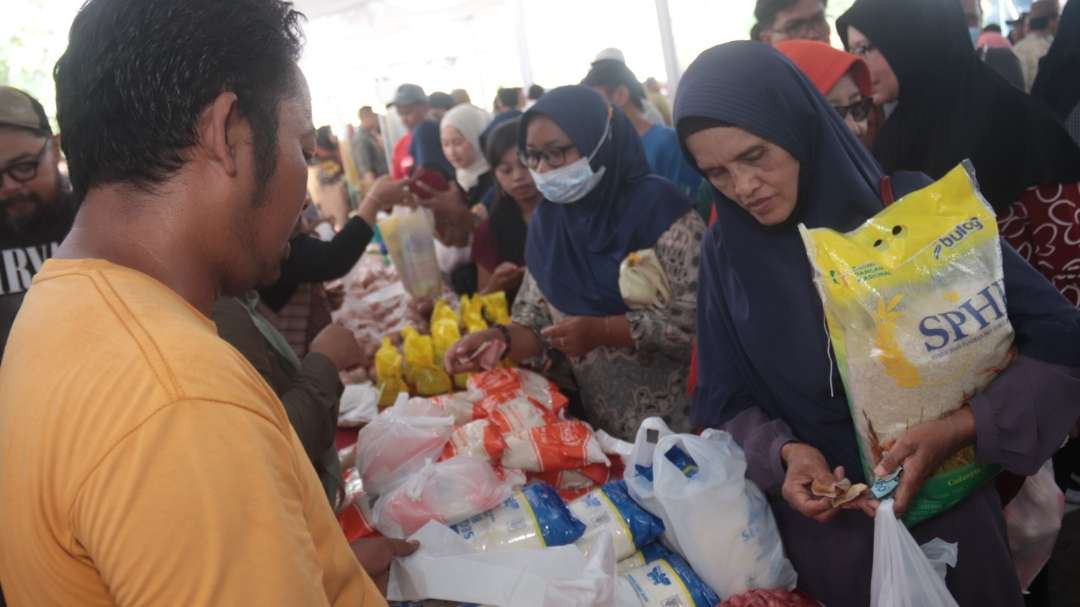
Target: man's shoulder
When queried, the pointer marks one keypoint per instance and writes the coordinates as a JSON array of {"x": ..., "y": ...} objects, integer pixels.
[{"x": 98, "y": 318}]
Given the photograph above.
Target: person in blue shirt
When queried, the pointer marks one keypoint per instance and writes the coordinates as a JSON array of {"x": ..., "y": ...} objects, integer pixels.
[{"x": 614, "y": 80}]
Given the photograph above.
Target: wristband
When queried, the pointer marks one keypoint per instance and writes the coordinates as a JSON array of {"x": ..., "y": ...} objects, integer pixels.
[{"x": 505, "y": 332}]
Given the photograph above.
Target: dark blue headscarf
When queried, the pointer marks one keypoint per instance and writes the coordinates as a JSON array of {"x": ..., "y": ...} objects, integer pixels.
[
  {"x": 426, "y": 149},
  {"x": 574, "y": 250},
  {"x": 761, "y": 334}
]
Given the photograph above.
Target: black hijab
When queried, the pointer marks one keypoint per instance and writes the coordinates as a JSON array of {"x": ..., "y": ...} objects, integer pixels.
[
  {"x": 953, "y": 106},
  {"x": 1058, "y": 82},
  {"x": 761, "y": 334}
]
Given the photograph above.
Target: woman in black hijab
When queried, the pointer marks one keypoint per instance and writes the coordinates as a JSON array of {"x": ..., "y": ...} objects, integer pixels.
[
  {"x": 950, "y": 106},
  {"x": 1058, "y": 82},
  {"x": 779, "y": 155}
]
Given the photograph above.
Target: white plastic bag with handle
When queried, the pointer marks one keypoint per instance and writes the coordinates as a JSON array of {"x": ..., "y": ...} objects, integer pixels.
[
  {"x": 717, "y": 519},
  {"x": 902, "y": 575},
  {"x": 1033, "y": 520}
]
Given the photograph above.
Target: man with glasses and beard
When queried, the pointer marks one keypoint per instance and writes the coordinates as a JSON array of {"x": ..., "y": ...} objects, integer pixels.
[{"x": 36, "y": 206}]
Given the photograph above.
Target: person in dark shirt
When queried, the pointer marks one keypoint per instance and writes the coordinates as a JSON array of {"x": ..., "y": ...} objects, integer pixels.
[
  {"x": 36, "y": 206},
  {"x": 315, "y": 260}
]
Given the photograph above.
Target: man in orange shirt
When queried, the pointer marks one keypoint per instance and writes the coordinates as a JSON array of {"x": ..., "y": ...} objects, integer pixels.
[{"x": 143, "y": 461}]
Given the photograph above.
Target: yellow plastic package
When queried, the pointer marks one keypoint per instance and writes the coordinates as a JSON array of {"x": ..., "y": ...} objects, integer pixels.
[
  {"x": 914, "y": 300},
  {"x": 496, "y": 310},
  {"x": 388, "y": 372},
  {"x": 443, "y": 311},
  {"x": 445, "y": 333},
  {"x": 472, "y": 313},
  {"x": 421, "y": 371}
]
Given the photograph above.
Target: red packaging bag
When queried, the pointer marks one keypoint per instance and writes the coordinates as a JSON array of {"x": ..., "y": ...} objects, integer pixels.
[{"x": 560, "y": 446}]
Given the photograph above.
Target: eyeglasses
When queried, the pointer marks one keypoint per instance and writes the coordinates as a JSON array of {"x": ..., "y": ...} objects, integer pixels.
[
  {"x": 863, "y": 50},
  {"x": 859, "y": 111},
  {"x": 555, "y": 157},
  {"x": 25, "y": 170},
  {"x": 805, "y": 27}
]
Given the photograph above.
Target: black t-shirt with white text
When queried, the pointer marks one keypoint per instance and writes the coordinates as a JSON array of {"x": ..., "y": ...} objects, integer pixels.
[{"x": 23, "y": 254}]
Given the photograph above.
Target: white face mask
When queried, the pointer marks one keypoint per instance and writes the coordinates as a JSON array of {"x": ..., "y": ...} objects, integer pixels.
[{"x": 571, "y": 183}]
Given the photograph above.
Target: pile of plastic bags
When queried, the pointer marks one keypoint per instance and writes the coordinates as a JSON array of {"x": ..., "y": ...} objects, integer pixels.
[{"x": 684, "y": 528}]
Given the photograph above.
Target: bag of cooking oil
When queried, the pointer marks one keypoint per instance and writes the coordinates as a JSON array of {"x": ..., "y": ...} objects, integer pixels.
[
  {"x": 388, "y": 373},
  {"x": 914, "y": 300},
  {"x": 472, "y": 313},
  {"x": 445, "y": 333},
  {"x": 443, "y": 311},
  {"x": 496, "y": 309}
]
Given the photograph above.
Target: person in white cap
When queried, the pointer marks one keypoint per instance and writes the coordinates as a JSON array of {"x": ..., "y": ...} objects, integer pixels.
[{"x": 652, "y": 114}]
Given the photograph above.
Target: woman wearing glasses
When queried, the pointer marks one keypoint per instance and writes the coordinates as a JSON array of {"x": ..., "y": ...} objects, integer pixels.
[
  {"x": 600, "y": 204},
  {"x": 951, "y": 106},
  {"x": 843, "y": 79}
]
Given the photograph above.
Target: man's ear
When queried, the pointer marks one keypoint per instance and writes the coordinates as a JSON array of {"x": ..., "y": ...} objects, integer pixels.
[
  {"x": 54, "y": 146},
  {"x": 218, "y": 132}
]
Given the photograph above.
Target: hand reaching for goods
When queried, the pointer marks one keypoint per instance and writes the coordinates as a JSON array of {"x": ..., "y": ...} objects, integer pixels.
[
  {"x": 476, "y": 352},
  {"x": 376, "y": 555},
  {"x": 575, "y": 335},
  {"x": 506, "y": 277},
  {"x": 922, "y": 450},
  {"x": 339, "y": 345}
]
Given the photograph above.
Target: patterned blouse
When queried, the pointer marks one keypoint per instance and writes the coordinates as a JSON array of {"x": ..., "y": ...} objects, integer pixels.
[
  {"x": 620, "y": 387},
  {"x": 1044, "y": 227}
]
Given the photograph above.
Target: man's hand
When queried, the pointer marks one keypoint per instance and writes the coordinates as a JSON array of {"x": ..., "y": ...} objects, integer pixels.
[
  {"x": 339, "y": 345},
  {"x": 376, "y": 554}
]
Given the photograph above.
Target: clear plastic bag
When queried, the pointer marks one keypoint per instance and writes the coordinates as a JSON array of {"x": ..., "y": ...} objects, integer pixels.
[
  {"x": 712, "y": 514},
  {"x": 902, "y": 575},
  {"x": 449, "y": 492},
  {"x": 400, "y": 441},
  {"x": 409, "y": 235},
  {"x": 1033, "y": 520}
]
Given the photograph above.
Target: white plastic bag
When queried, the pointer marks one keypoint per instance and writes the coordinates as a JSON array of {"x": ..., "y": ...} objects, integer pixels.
[
  {"x": 359, "y": 405},
  {"x": 400, "y": 441},
  {"x": 449, "y": 492},
  {"x": 712, "y": 515},
  {"x": 446, "y": 567},
  {"x": 643, "y": 282},
  {"x": 1033, "y": 520},
  {"x": 902, "y": 575}
]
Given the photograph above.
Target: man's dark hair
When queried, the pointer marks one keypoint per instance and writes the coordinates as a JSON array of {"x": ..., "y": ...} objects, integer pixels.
[
  {"x": 765, "y": 12},
  {"x": 324, "y": 138},
  {"x": 993, "y": 27},
  {"x": 138, "y": 73},
  {"x": 367, "y": 109},
  {"x": 609, "y": 74},
  {"x": 509, "y": 97},
  {"x": 535, "y": 92},
  {"x": 440, "y": 100}
]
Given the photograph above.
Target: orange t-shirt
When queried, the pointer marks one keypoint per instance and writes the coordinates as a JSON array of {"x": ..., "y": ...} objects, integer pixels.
[{"x": 144, "y": 462}]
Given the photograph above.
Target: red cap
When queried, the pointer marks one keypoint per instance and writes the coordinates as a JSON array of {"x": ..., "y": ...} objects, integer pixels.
[{"x": 824, "y": 65}]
